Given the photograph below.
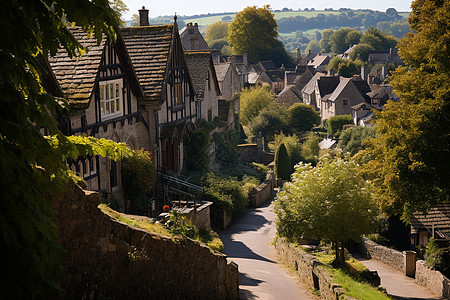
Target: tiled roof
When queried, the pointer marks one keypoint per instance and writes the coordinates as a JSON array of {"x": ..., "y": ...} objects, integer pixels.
[
  {"x": 289, "y": 96},
  {"x": 148, "y": 48},
  {"x": 267, "y": 65},
  {"x": 76, "y": 76},
  {"x": 328, "y": 84},
  {"x": 221, "y": 70},
  {"x": 191, "y": 32},
  {"x": 198, "y": 64},
  {"x": 301, "y": 82},
  {"x": 439, "y": 217},
  {"x": 311, "y": 85}
]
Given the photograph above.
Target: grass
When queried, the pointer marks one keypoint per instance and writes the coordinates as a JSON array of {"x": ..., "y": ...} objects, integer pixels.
[
  {"x": 205, "y": 236},
  {"x": 350, "y": 278}
]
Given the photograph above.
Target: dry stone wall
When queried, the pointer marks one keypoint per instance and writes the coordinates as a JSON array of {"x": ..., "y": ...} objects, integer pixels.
[
  {"x": 264, "y": 191},
  {"x": 107, "y": 259},
  {"x": 432, "y": 279},
  {"x": 392, "y": 257},
  {"x": 309, "y": 270}
]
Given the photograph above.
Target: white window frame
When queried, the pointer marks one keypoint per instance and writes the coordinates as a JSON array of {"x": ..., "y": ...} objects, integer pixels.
[{"x": 111, "y": 106}]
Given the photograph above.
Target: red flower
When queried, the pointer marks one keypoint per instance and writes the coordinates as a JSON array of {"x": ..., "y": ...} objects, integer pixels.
[{"x": 166, "y": 208}]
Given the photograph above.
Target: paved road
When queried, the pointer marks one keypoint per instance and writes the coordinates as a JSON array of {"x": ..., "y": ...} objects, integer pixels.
[
  {"x": 247, "y": 242},
  {"x": 396, "y": 284}
]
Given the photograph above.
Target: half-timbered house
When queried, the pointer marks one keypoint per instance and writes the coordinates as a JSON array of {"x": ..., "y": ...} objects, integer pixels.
[
  {"x": 157, "y": 56},
  {"x": 103, "y": 94}
]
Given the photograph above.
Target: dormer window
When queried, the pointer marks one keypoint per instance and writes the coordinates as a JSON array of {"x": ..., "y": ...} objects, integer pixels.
[{"x": 110, "y": 98}]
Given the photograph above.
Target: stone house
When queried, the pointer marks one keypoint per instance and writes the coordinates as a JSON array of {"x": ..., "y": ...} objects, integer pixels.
[
  {"x": 309, "y": 91},
  {"x": 104, "y": 97},
  {"x": 229, "y": 83},
  {"x": 338, "y": 94},
  {"x": 192, "y": 39},
  {"x": 319, "y": 62},
  {"x": 157, "y": 55},
  {"x": 206, "y": 87}
]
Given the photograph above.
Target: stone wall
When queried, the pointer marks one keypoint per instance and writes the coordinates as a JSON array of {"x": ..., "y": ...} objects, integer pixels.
[
  {"x": 392, "y": 257},
  {"x": 107, "y": 259},
  {"x": 309, "y": 270},
  {"x": 434, "y": 280},
  {"x": 201, "y": 217},
  {"x": 264, "y": 191}
]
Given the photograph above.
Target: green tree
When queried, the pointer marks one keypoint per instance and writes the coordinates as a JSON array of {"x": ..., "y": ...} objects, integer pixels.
[
  {"x": 338, "y": 40},
  {"x": 352, "y": 139},
  {"x": 282, "y": 163},
  {"x": 411, "y": 167},
  {"x": 216, "y": 31},
  {"x": 335, "y": 124},
  {"x": 301, "y": 117},
  {"x": 313, "y": 46},
  {"x": 361, "y": 52},
  {"x": 344, "y": 67},
  {"x": 310, "y": 148},
  {"x": 270, "y": 121},
  {"x": 376, "y": 39},
  {"x": 120, "y": 8},
  {"x": 253, "y": 101},
  {"x": 33, "y": 165},
  {"x": 325, "y": 41},
  {"x": 330, "y": 202},
  {"x": 254, "y": 31}
]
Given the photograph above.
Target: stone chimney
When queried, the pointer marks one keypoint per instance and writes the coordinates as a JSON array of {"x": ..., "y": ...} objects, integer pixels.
[
  {"x": 364, "y": 73},
  {"x": 245, "y": 59},
  {"x": 384, "y": 72},
  {"x": 143, "y": 17}
]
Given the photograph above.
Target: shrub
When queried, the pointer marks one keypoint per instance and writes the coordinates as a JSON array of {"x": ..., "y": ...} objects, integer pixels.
[
  {"x": 334, "y": 124},
  {"x": 437, "y": 258},
  {"x": 196, "y": 151},
  {"x": 302, "y": 117},
  {"x": 379, "y": 239},
  {"x": 282, "y": 163},
  {"x": 138, "y": 177},
  {"x": 352, "y": 139}
]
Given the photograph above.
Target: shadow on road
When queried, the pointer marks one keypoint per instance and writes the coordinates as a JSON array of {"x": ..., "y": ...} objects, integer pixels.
[
  {"x": 244, "y": 279},
  {"x": 237, "y": 249}
]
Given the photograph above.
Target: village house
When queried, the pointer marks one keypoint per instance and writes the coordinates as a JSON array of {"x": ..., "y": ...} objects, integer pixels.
[
  {"x": 309, "y": 91},
  {"x": 319, "y": 62},
  {"x": 207, "y": 91},
  {"x": 434, "y": 224},
  {"x": 157, "y": 55},
  {"x": 104, "y": 95},
  {"x": 338, "y": 94},
  {"x": 191, "y": 38}
]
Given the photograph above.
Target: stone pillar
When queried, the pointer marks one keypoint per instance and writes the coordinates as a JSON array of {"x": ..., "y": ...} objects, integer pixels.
[{"x": 410, "y": 263}]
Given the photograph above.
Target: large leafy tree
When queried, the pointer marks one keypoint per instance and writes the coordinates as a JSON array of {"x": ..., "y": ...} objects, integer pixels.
[
  {"x": 216, "y": 31},
  {"x": 31, "y": 165},
  {"x": 301, "y": 117},
  {"x": 253, "y": 100},
  {"x": 254, "y": 31},
  {"x": 330, "y": 202},
  {"x": 411, "y": 169}
]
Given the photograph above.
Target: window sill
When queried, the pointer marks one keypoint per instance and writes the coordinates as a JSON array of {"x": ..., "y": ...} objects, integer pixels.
[{"x": 111, "y": 116}]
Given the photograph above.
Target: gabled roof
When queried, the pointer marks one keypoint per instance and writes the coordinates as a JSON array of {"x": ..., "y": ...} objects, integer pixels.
[
  {"x": 221, "y": 70},
  {"x": 267, "y": 65},
  {"x": 301, "y": 82},
  {"x": 191, "y": 32},
  {"x": 329, "y": 84},
  {"x": 319, "y": 60},
  {"x": 311, "y": 85},
  {"x": 198, "y": 63},
  {"x": 252, "y": 77},
  {"x": 77, "y": 75},
  {"x": 362, "y": 106},
  {"x": 149, "y": 47},
  {"x": 289, "y": 96}
]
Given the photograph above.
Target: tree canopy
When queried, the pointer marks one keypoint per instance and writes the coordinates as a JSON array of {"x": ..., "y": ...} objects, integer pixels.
[
  {"x": 216, "y": 31},
  {"x": 33, "y": 165},
  {"x": 411, "y": 169},
  {"x": 253, "y": 101},
  {"x": 330, "y": 201},
  {"x": 254, "y": 31}
]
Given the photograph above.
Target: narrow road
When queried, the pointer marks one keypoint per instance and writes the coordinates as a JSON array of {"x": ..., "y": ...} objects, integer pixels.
[
  {"x": 247, "y": 243},
  {"x": 397, "y": 285}
]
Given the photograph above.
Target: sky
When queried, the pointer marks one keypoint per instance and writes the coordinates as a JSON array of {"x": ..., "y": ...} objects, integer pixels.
[{"x": 193, "y": 7}]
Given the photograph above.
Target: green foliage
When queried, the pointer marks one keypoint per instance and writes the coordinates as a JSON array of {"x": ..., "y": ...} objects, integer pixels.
[
  {"x": 377, "y": 40},
  {"x": 378, "y": 238},
  {"x": 30, "y": 167},
  {"x": 301, "y": 117},
  {"x": 437, "y": 258},
  {"x": 254, "y": 31},
  {"x": 345, "y": 67},
  {"x": 313, "y": 46},
  {"x": 361, "y": 52},
  {"x": 196, "y": 151},
  {"x": 352, "y": 139},
  {"x": 330, "y": 201},
  {"x": 138, "y": 177},
  {"x": 270, "y": 121},
  {"x": 341, "y": 39},
  {"x": 282, "y": 163},
  {"x": 226, "y": 147},
  {"x": 216, "y": 31},
  {"x": 226, "y": 193},
  {"x": 253, "y": 101},
  {"x": 310, "y": 148},
  {"x": 411, "y": 156},
  {"x": 325, "y": 41},
  {"x": 335, "y": 124}
]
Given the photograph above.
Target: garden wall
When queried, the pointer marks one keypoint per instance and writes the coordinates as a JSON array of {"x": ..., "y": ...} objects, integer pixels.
[
  {"x": 107, "y": 259},
  {"x": 264, "y": 191},
  {"x": 309, "y": 270},
  {"x": 434, "y": 280},
  {"x": 392, "y": 257}
]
